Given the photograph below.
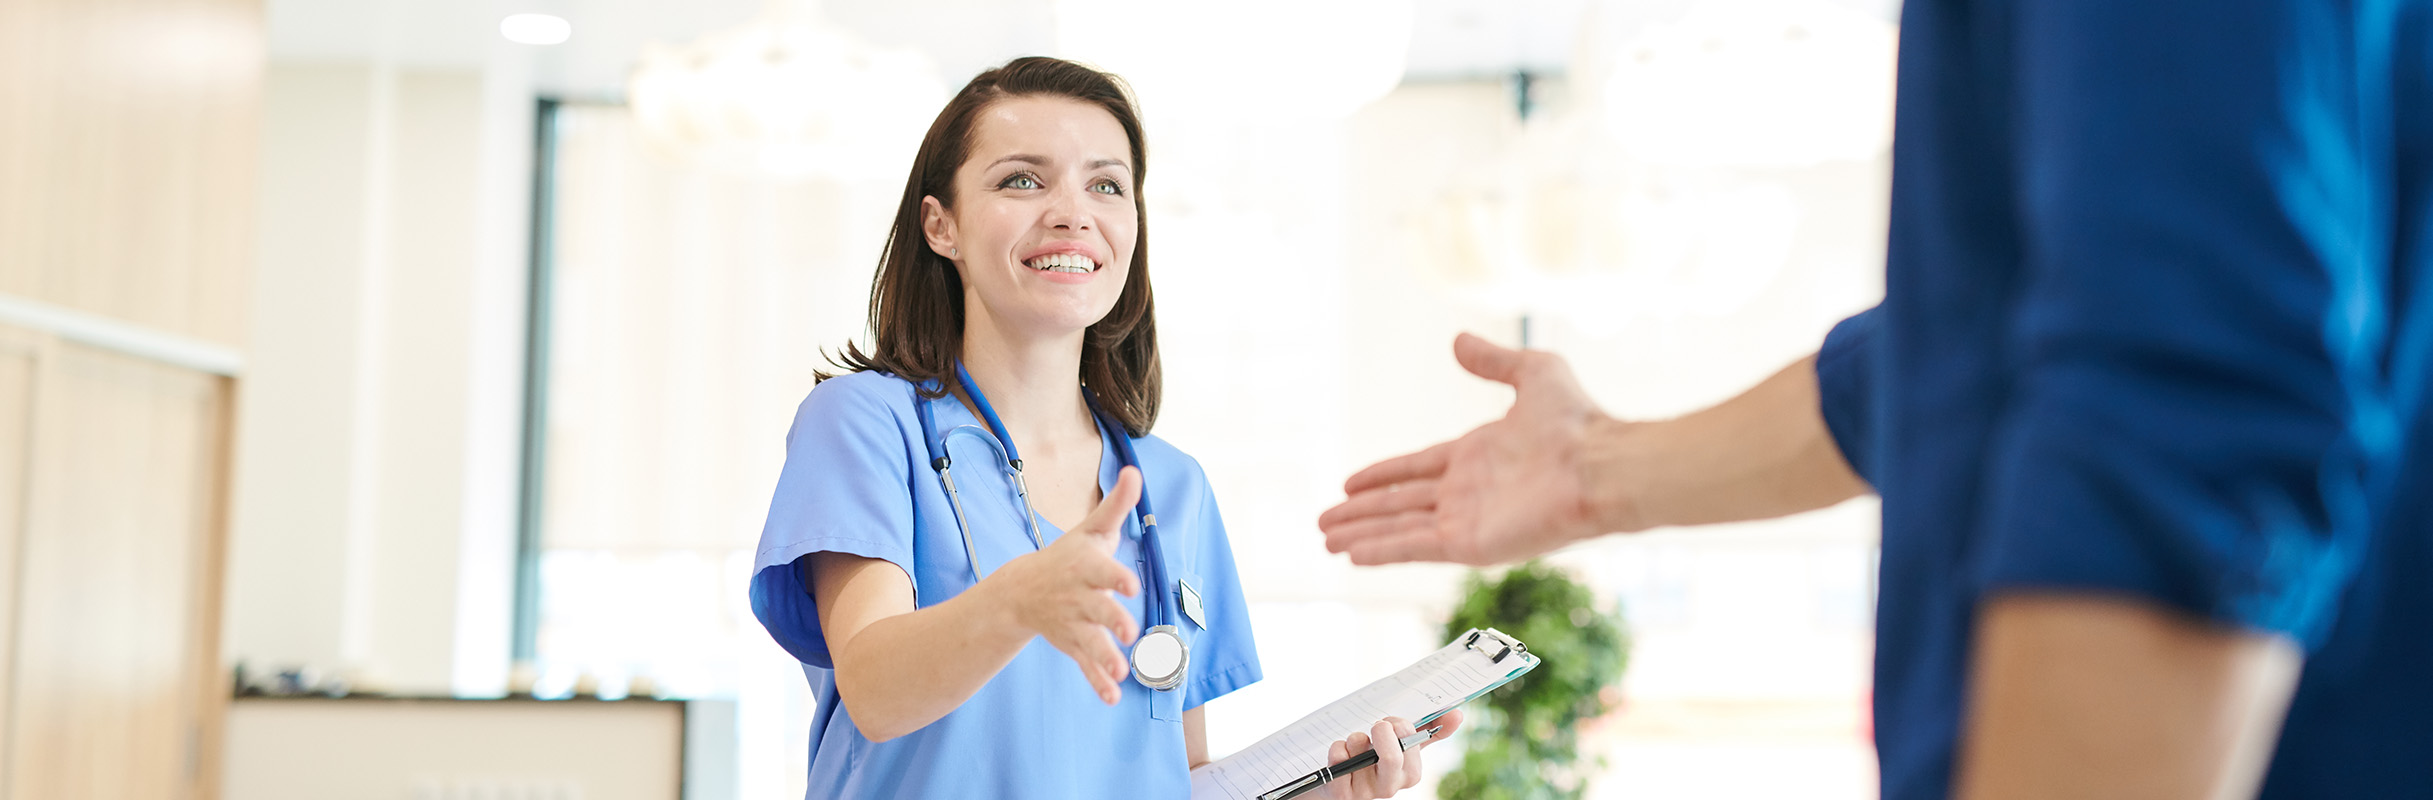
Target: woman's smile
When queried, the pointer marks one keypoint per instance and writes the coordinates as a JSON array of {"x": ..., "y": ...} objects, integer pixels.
[{"x": 1066, "y": 262}]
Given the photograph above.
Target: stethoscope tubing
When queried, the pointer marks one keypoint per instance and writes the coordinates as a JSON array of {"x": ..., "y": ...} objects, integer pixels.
[{"x": 940, "y": 459}]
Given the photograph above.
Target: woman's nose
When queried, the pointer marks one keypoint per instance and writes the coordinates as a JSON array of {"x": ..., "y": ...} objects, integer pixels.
[{"x": 1068, "y": 210}]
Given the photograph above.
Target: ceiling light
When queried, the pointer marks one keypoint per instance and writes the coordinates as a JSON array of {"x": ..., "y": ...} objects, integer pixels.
[
  {"x": 535, "y": 29},
  {"x": 1288, "y": 60},
  {"x": 1752, "y": 83},
  {"x": 786, "y": 96}
]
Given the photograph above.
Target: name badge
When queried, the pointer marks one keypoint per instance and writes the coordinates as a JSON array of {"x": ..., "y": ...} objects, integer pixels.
[{"x": 1191, "y": 605}]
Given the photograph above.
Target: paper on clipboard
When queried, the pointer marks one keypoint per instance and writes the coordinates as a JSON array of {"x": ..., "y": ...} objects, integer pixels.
[{"x": 1473, "y": 664}]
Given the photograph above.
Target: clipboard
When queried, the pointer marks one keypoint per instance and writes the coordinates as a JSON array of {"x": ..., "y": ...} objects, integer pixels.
[{"x": 1473, "y": 664}]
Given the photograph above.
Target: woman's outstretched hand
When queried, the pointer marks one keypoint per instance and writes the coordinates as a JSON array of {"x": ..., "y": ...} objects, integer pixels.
[
  {"x": 1397, "y": 769},
  {"x": 1063, "y": 591}
]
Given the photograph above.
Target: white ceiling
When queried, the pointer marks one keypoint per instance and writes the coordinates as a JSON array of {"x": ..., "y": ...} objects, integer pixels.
[{"x": 1452, "y": 38}]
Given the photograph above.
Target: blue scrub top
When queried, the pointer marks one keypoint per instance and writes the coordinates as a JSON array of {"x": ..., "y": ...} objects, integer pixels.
[
  {"x": 2158, "y": 322},
  {"x": 857, "y": 480}
]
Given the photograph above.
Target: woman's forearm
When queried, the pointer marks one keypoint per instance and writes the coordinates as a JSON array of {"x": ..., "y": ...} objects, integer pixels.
[{"x": 897, "y": 672}]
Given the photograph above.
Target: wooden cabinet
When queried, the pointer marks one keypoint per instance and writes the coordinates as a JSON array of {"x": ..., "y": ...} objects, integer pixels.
[
  {"x": 127, "y": 145},
  {"x": 114, "y": 691}
]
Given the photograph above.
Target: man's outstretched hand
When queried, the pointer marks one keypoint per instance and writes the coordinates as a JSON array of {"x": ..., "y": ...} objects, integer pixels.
[{"x": 1513, "y": 488}]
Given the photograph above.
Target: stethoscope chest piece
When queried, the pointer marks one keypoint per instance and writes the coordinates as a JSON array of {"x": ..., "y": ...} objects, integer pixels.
[{"x": 1159, "y": 658}]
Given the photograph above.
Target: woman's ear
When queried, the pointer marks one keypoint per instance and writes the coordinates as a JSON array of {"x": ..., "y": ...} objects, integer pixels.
[{"x": 939, "y": 228}]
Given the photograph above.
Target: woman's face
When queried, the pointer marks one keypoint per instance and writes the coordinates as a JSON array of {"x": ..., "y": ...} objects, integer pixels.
[{"x": 1044, "y": 223}]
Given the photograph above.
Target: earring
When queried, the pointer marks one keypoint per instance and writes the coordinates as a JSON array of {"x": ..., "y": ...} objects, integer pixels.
[{"x": 953, "y": 252}]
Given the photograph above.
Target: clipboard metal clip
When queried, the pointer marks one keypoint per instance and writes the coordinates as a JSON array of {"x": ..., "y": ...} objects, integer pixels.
[{"x": 1500, "y": 644}]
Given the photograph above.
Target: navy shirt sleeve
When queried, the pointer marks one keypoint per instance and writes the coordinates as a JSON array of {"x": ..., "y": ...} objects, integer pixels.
[
  {"x": 2194, "y": 418},
  {"x": 1845, "y": 382}
]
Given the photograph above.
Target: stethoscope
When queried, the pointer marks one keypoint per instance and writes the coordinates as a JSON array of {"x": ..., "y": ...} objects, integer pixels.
[{"x": 1159, "y": 656}]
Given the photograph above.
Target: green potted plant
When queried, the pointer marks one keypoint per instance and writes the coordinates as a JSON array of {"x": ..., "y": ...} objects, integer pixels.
[{"x": 1523, "y": 739}]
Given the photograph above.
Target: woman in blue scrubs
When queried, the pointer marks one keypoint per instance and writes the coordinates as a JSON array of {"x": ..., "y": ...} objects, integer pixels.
[{"x": 982, "y": 559}]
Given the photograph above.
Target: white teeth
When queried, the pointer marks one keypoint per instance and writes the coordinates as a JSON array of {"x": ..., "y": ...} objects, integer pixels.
[{"x": 1063, "y": 262}]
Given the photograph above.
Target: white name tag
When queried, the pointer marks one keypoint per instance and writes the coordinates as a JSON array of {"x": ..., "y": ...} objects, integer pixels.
[{"x": 1191, "y": 605}]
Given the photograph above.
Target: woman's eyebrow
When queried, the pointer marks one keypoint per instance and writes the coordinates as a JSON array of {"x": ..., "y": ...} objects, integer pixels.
[
  {"x": 1027, "y": 158},
  {"x": 1021, "y": 157}
]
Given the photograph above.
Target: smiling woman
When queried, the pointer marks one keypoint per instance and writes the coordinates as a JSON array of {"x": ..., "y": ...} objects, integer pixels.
[{"x": 1039, "y": 632}]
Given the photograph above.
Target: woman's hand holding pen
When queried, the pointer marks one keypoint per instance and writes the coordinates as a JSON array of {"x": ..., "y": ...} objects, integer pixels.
[
  {"x": 1062, "y": 591},
  {"x": 1396, "y": 769}
]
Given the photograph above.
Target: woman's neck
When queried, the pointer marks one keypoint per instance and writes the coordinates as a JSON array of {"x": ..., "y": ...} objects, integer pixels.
[{"x": 1033, "y": 384}]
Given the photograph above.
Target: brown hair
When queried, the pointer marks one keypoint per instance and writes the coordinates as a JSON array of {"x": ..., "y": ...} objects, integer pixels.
[{"x": 916, "y": 299}]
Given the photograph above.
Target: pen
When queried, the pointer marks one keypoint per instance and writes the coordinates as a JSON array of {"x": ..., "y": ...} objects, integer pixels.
[{"x": 1366, "y": 759}]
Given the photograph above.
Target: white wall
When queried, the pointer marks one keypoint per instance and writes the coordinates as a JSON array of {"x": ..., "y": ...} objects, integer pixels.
[{"x": 385, "y": 321}]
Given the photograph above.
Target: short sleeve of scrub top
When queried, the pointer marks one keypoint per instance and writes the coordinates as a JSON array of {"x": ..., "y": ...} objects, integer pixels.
[{"x": 857, "y": 481}]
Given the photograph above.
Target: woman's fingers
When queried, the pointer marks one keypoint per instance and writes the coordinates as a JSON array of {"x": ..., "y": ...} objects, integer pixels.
[
  {"x": 1115, "y": 618},
  {"x": 1105, "y": 524},
  {"x": 1335, "y": 754},
  {"x": 1387, "y": 775},
  {"x": 1097, "y": 656},
  {"x": 1408, "y": 776},
  {"x": 1445, "y": 726}
]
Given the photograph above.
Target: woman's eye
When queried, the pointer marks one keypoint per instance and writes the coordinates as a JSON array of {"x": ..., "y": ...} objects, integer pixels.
[
  {"x": 1019, "y": 180},
  {"x": 1108, "y": 187}
]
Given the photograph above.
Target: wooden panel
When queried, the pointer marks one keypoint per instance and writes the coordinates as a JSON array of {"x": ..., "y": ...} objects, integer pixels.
[
  {"x": 18, "y": 365},
  {"x": 120, "y": 545},
  {"x": 127, "y": 147}
]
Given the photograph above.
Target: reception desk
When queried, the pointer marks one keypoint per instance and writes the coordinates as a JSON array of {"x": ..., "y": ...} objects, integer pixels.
[{"x": 281, "y": 748}]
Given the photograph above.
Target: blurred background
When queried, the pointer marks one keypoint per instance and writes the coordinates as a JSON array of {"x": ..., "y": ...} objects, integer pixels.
[{"x": 387, "y": 386}]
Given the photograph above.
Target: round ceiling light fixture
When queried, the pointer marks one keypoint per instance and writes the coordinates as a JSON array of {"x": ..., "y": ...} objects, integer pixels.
[
  {"x": 1750, "y": 83},
  {"x": 535, "y": 29},
  {"x": 787, "y": 97},
  {"x": 1289, "y": 60}
]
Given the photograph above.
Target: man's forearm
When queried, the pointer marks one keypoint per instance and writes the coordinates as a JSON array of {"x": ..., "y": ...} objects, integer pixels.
[
  {"x": 2094, "y": 697},
  {"x": 1764, "y": 453}
]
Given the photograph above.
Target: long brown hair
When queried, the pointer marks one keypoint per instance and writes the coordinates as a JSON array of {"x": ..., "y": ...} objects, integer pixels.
[{"x": 916, "y": 300}]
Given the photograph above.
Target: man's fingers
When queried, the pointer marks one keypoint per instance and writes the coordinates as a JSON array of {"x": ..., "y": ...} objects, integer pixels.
[
  {"x": 1427, "y": 464},
  {"x": 1413, "y": 543},
  {"x": 1487, "y": 359},
  {"x": 1390, "y": 499},
  {"x": 1346, "y": 535},
  {"x": 1352, "y": 536}
]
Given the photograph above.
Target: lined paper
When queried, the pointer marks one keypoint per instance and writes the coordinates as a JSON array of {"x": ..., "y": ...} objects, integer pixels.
[{"x": 1443, "y": 679}]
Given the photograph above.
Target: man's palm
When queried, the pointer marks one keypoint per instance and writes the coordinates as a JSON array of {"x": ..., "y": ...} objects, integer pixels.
[{"x": 1508, "y": 490}]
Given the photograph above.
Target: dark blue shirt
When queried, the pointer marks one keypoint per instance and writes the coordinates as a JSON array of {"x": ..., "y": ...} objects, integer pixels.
[{"x": 2158, "y": 323}]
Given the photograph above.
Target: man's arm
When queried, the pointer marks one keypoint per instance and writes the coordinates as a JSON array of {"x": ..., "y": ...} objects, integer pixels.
[{"x": 2095, "y": 697}]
